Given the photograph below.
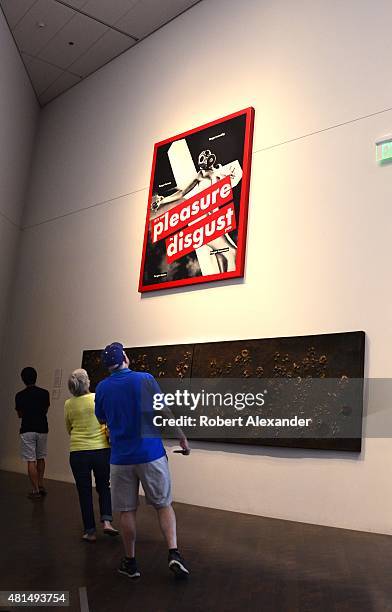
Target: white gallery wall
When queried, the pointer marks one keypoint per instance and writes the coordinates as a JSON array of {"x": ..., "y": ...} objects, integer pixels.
[
  {"x": 18, "y": 117},
  {"x": 318, "y": 248}
]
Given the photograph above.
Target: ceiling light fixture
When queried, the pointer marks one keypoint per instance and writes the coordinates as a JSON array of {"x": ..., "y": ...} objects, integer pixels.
[{"x": 40, "y": 24}]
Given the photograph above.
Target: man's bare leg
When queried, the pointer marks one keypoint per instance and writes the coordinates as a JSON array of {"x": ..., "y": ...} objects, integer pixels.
[
  {"x": 41, "y": 472},
  {"x": 33, "y": 475},
  {"x": 167, "y": 523},
  {"x": 128, "y": 531}
]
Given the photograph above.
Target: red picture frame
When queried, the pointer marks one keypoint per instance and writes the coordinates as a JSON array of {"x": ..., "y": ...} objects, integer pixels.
[{"x": 197, "y": 211}]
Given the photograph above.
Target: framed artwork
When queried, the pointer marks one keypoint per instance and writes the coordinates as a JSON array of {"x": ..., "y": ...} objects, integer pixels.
[
  {"x": 197, "y": 208},
  {"x": 319, "y": 377}
]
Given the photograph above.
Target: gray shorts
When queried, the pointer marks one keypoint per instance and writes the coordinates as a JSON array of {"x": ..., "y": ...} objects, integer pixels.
[
  {"x": 155, "y": 479},
  {"x": 33, "y": 445}
]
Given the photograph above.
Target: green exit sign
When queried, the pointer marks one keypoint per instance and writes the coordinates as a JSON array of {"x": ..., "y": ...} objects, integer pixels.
[{"x": 384, "y": 149}]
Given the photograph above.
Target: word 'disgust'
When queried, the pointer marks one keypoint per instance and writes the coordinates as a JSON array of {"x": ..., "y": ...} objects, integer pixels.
[{"x": 205, "y": 216}]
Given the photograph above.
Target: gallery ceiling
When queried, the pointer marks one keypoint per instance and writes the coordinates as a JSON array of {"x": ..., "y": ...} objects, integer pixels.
[{"x": 62, "y": 42}]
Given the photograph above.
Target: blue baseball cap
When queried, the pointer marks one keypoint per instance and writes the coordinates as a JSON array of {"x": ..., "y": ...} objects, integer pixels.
[{"x": 113, "y": 355}]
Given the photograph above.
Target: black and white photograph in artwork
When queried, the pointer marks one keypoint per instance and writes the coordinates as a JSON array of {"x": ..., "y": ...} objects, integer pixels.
[{"x": 185, "y": 167}]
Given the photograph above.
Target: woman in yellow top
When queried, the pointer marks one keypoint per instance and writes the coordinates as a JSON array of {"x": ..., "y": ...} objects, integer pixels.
[{"x": 90, "y": 452}]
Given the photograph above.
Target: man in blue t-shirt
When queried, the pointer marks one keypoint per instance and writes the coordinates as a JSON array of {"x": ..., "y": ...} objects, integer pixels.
[{"x": 124, "y": 402}]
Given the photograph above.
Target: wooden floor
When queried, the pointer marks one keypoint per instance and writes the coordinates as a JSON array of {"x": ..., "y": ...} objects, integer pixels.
[{"x": 239, "y": 563}]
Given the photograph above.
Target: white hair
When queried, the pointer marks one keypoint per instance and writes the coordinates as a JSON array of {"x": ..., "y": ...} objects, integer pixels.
[{"x": 79, "y": 382}]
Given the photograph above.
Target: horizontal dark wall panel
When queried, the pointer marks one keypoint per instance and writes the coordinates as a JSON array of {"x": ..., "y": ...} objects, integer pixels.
[{"x": 297, "y": 369}]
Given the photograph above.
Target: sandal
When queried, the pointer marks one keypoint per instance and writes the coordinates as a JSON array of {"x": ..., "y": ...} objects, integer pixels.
[
  {"x": 111, "y": 531},
  {"x": 89, "y": 537}
]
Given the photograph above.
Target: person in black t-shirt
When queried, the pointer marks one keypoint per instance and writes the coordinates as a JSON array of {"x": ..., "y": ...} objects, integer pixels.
[{"x": 32, "y": 406}]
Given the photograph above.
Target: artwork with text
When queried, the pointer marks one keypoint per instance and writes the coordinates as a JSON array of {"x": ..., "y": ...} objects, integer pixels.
[{"x": 198, "y": 205}]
